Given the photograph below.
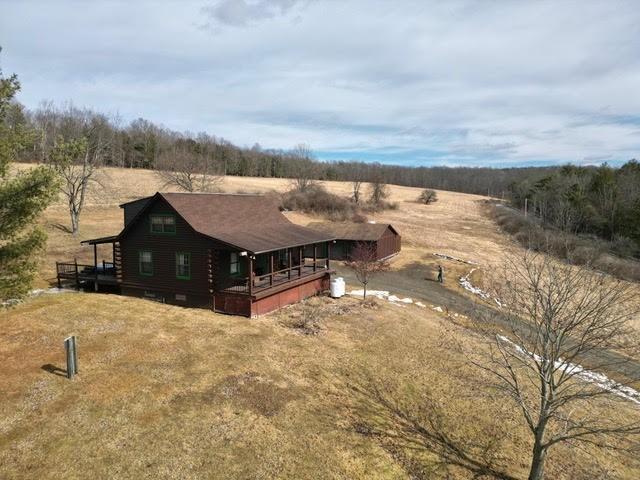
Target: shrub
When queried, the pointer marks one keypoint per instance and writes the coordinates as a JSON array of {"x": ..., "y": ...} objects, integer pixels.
[
  {"x": 380, "y": 206},
  {"x": 306, "y": 318},
  {"x": 428, "y": 196},
  {"x": 359, "y": 218},
  {"x": 316, "y": 199}
]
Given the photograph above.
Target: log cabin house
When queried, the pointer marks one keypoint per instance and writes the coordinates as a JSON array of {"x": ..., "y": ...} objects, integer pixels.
[
  {"x": 383, "y": 236},
  {"x": 233, "y": 253}
]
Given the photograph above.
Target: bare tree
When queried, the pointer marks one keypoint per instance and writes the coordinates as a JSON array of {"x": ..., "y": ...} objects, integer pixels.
[
  {"x": 189, "y": 166},
  {"x": 356, "y": 186},
  {"x": 365, "y": 264},
  {"x": 560, "y": 317},
  {"x": 83, "y": 141},
  {"x": 378, "y": 192},
  {"x": 305, "y": 172},
  {"x": 72, "y": 162}
]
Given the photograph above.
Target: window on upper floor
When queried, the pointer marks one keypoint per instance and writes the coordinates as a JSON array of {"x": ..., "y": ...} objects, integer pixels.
[{"x": 163, "y": 224}]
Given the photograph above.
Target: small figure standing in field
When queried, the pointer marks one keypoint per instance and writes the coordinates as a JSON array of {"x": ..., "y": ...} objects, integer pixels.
[{"x": 440, "y": 274}]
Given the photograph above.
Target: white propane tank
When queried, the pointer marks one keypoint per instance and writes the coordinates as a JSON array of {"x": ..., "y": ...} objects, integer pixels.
[{"x": 337, "y": 287}]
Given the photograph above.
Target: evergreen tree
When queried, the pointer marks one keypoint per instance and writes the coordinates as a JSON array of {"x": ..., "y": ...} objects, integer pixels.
[{"x": 22, "y": 197}]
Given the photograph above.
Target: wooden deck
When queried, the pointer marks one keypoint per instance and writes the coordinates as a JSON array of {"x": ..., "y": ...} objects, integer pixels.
[{"x": 82, "y": 274}]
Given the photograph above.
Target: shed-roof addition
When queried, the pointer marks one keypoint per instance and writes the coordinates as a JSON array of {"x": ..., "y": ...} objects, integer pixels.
[{"x": 352, "y": 231}]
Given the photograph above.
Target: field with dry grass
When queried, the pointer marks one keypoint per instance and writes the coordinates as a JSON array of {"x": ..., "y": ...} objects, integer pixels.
[
  {"x": 168, "y": 392},
  {"x": 379, "y": 391}
]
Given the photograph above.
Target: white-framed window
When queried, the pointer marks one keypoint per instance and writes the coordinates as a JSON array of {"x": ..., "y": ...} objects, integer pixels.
[
  {"x": 163, "y": 224},
  {"x": 145, "y": 262},
  {"x": 234, "y": 263},
  {"x": 183, "y": 265}
]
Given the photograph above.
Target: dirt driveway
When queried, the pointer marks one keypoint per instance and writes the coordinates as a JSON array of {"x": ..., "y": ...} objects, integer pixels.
[{"x": 414, "y": 281}]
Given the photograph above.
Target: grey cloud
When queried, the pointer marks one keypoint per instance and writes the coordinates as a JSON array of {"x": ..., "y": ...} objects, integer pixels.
[
  {"x": 239, "y": 13},
  {"x": 522, "y": 81}
]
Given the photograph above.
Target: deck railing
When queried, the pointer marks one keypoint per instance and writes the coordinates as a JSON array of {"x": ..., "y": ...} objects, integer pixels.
[
  {"x": 81, "y": 271},
  {"x": 68, "y": 268}
]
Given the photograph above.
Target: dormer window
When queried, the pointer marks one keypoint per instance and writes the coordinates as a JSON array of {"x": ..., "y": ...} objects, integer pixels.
[{"x": 163, "y": 224}]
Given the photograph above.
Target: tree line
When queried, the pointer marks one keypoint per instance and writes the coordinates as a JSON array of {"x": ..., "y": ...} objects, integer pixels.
[
  {"x": 601, "y": 201},
  {"x": 144, "y": 144}
]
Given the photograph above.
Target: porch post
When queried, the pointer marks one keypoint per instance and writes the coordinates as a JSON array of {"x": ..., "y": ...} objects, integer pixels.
[
  {"x": 315, "y": 256},
  {"x": 75, "y": 262},
  {"x": 289, "y": 266},
  {"x": 250, "y": 263},
  {"x": 271, "y": 268},
  {"x": 95, "y": 266},
  {"x": 328, "y": 253},
  {"x": 300, "y": 260}
]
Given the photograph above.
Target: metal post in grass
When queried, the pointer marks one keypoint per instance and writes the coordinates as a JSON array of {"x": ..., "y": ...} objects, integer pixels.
[{"x": 72, "y": 356}]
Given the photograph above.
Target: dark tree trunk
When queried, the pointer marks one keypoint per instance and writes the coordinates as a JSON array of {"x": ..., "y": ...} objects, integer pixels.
[{"x": 537, "y": 460}]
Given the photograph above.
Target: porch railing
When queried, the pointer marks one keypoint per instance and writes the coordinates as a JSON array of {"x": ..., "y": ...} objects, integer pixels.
[
  {"x": 268, "y": 280},
  {"x": 295, "y": 271}
]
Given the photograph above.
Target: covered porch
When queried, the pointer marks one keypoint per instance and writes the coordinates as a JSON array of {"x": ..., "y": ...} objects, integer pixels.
[
  {"x": 269, "y": 272},
  {"x": 103, "y": 272}
]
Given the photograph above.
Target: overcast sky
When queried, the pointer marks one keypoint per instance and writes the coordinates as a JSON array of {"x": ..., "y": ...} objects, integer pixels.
[{"x": 423, "y": 83}]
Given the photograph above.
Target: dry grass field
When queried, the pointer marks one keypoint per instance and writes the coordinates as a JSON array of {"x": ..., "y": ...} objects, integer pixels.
[
  {"x": 382, "y": 391},
  {"x": 168, "y": 392}
]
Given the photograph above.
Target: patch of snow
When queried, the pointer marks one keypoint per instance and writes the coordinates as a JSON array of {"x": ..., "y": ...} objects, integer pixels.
[
  {"x": 467, "y": 285},
  {"x": 380, "y": 294},
  {"x": 438, "y": 309},
  {"x": 385, "y": 295},
  {"x": 598, "y": 379},
  {"x": 393, "y": 298},
  {"x": 455, "y": 259}
]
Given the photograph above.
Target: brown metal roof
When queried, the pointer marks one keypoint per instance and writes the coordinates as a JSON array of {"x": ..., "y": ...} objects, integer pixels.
[
  {"x": 352, "y": 231},
  {"x": 249, "y": 222}
]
